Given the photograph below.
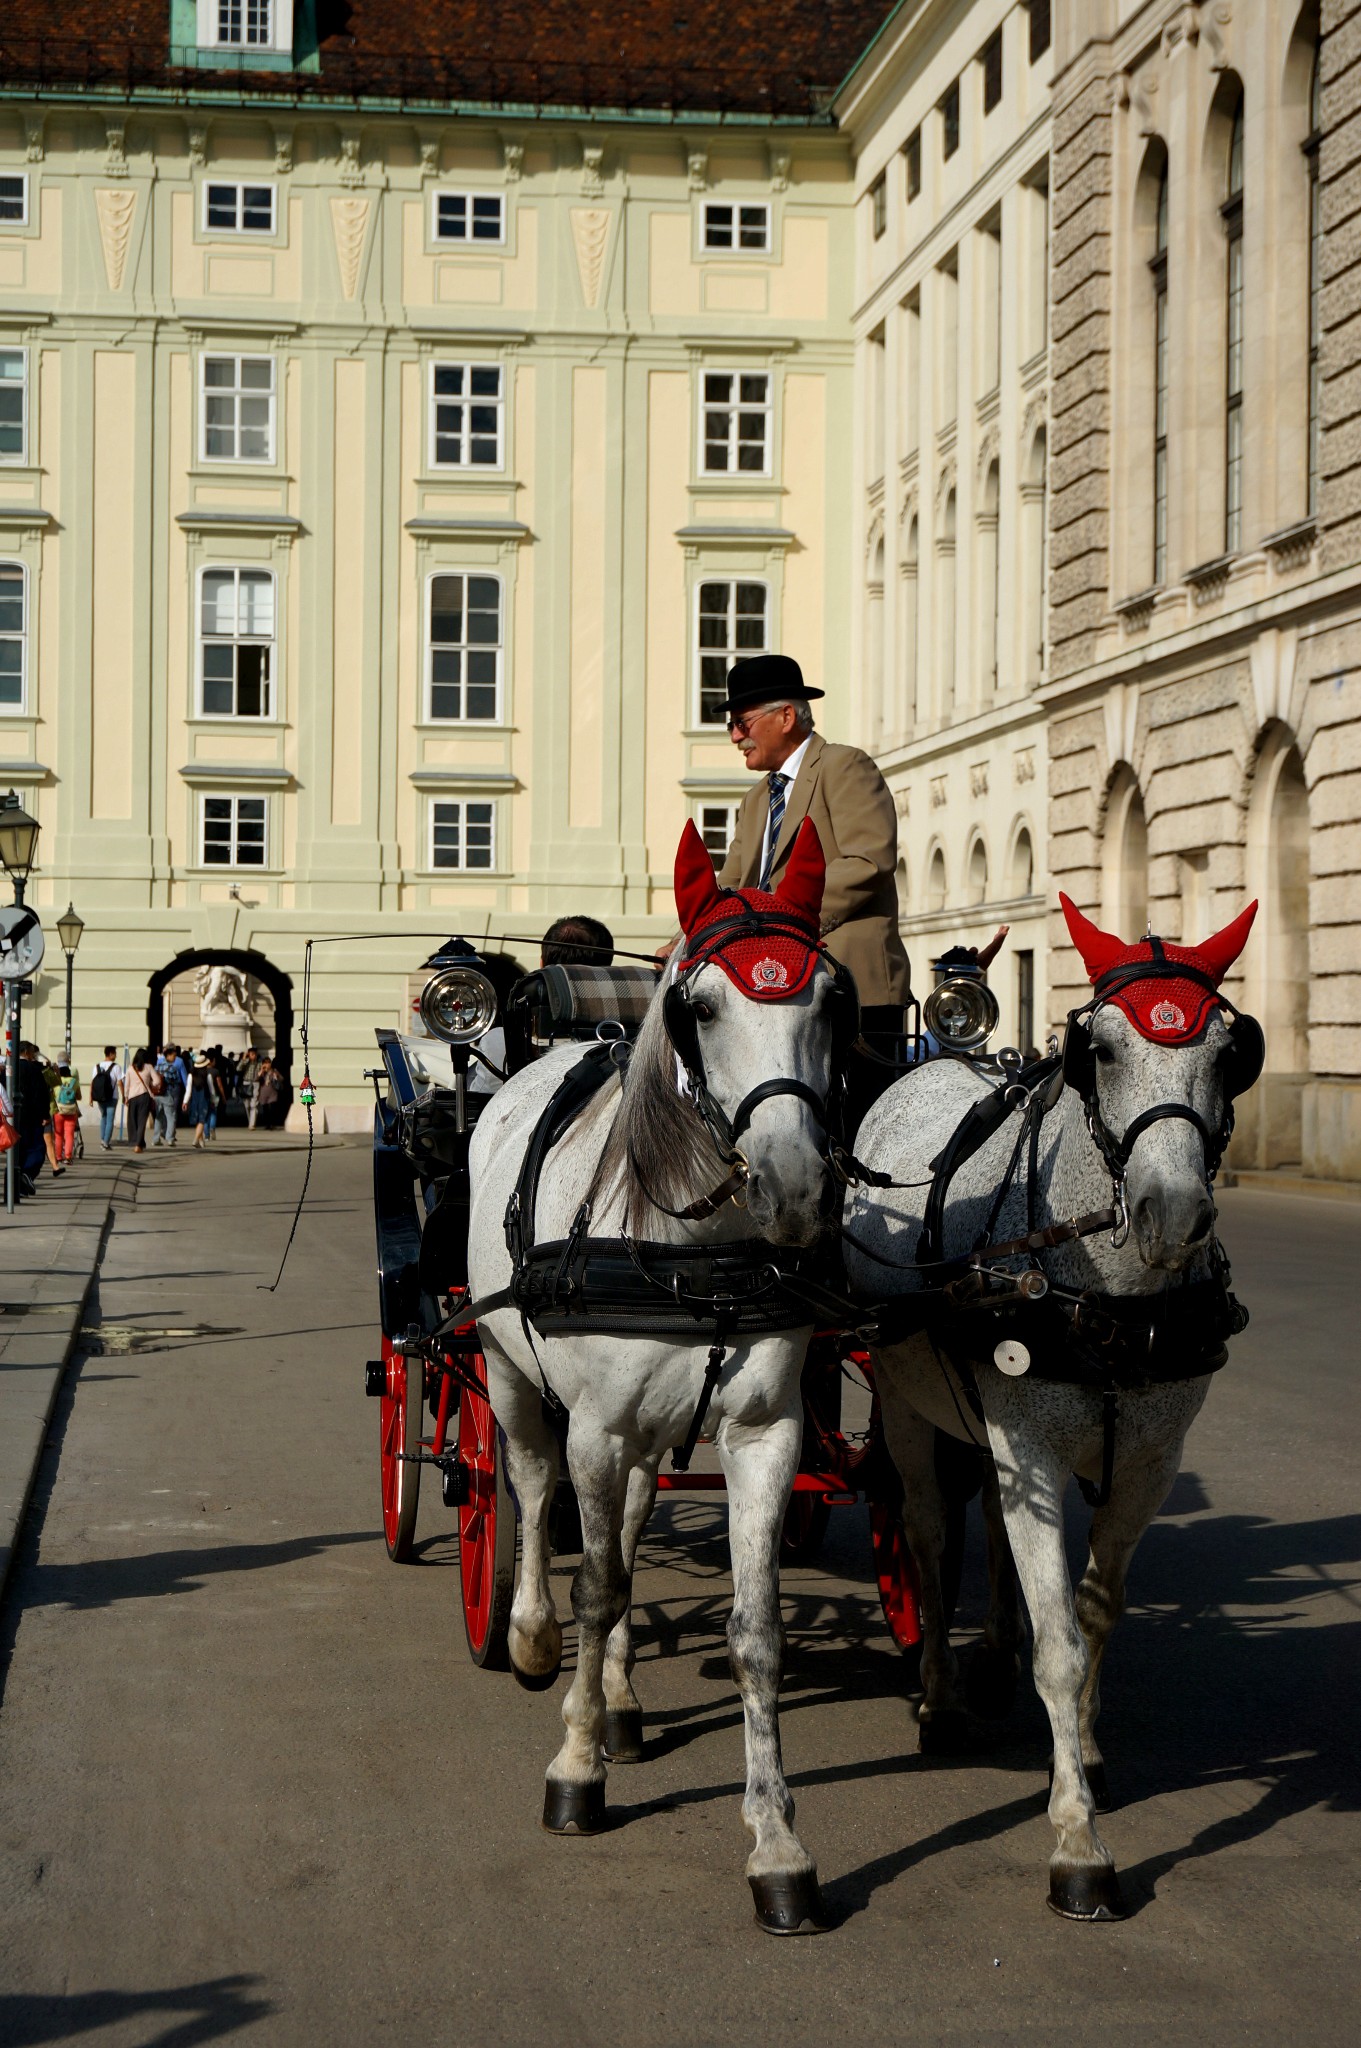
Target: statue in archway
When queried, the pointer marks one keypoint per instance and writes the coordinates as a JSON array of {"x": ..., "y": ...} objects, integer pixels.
[{"x": 226, "y": 1006}]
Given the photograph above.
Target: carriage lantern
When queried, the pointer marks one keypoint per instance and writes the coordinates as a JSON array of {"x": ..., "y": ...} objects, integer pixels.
[
  {"x": 458, "y": 1004},
  {"x": 961, "y": 1011}
]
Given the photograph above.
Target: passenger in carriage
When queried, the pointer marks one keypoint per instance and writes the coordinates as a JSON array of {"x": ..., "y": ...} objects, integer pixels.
[{"x": 577, "y": 942}]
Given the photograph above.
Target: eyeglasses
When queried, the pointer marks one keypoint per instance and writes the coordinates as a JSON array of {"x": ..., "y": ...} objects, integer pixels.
[{"x": 742, "y": 721}]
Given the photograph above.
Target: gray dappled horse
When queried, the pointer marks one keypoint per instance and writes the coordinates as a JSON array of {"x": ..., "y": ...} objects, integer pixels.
[
  {"x": 1100, "y": 1368},
  {"x": 758, "y": 1018}
]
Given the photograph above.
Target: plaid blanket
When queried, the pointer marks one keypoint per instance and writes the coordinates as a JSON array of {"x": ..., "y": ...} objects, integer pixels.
[{"x": 563, "y": 999}]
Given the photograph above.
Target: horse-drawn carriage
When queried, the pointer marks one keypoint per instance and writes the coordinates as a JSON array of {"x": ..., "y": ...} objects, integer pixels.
[{"x": 1000, "y": 1267}]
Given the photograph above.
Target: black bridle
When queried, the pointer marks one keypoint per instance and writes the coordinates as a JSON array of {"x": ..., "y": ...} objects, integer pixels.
[
  {"x": 1243, "y": 1062},
  {"x": 682, "y": 1016}
]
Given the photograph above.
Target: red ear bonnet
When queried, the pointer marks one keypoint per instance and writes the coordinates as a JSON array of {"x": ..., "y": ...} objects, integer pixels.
[
  {"x": 765, "y": 965},
  {"x": 1166, "y": 1007}
]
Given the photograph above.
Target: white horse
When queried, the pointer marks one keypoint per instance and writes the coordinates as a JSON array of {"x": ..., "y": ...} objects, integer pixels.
[
  {"x": 1144, "y": 1116},
  {"x": 641, "y": 1151}
]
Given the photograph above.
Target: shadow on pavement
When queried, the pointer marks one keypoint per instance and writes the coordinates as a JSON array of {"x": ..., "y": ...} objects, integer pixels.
[
  {"x": 211, "y": 2010},
  {"x": 103, "y": 1580}
]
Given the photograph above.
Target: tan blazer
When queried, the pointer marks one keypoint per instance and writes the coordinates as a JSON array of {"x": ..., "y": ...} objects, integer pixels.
[{"x": 846, "y": 797}]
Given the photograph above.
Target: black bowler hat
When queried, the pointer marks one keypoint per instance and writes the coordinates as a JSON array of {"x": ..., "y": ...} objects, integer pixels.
[{"x": 766, "y": 679}]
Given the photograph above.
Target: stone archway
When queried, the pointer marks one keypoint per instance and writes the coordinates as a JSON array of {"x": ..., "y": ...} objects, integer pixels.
[{"x": 174, "y": 1006}]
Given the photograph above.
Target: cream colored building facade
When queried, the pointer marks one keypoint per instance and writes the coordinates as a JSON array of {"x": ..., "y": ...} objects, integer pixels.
[
  {"x": 381, "y": 499},
  {"x": 949, "y": 113}
]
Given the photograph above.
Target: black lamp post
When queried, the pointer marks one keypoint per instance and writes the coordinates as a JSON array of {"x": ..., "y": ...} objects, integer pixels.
[
  {"x": 18, "y": 844},
  {"x": 69, "y": 928}
]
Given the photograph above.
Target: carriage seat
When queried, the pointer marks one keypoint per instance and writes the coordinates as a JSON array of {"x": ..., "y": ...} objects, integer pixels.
[{"x": 570, "y": 1001}]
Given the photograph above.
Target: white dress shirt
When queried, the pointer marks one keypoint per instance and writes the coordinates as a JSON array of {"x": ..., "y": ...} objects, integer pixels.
[{"x": 789, "y": 770}]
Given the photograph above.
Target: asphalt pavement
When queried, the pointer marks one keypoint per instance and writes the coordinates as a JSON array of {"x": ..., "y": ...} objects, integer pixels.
[{"x": 252, "y": 1787}]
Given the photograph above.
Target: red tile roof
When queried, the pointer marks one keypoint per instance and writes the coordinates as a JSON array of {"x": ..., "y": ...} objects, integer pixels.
[{"x": 734, "y": 57}]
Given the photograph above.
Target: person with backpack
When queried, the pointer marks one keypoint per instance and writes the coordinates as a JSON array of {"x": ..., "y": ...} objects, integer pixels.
[
  {"x": 141, "y": 1085},
  {"x": 66, "y": 1113},
  {"x": 106, "y": 1092},
  {"x": 174, "y": 1082}
]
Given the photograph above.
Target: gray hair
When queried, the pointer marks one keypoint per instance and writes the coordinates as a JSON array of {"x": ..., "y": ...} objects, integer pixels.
[{"x": 801, "y": 708}]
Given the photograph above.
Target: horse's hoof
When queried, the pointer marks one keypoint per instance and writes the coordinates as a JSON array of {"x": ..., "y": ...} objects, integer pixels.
[
  {"x": 990, "y": 1677},
  {"x": 790, "y": 1904},
  {"x": 1085, "y": 1891},
  {"x": 943, "y": 1734},
  {"x": 573, "y": 1809},
  {"x": 536, "y": 1681},
  {"x": 624, "y": 1735}
]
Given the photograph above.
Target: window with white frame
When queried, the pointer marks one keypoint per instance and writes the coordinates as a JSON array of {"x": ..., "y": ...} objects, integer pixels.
[
  {"x": 462, "y": 833},
  {"x": 13, "y": 404},
  {"x": 732, "y": 622},
  {"x": 242, "y": 24},
  {"x": 466, "y": 416},
  {"x": 717, "y": 828},
  {"x": 744, "y": 225},
  {"x": 468, "y": 217},
  {"x": 736, "y": 423},
  {"x": 232, "y": 209},
  {"x": 464, "y": 649},
  {"x": 236, "y": 643},
  {"x": 13, "y": 633},
  {"x": 238, "y": 408},
  {"x": 233, "y": 831},
  {"x": 13, "y": 199}
]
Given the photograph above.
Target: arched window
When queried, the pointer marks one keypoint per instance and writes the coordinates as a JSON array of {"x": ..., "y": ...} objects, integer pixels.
[
  {"x": 1158, "y": 267},
  {"x": 1022, "y": 878},
  {"x": 935, "y": 882},
  {"x": 988, "y": 584},
  {"x": 1311, "y": 148},
  {"x": 1232, "y": 212},
  {"x": 1277, "y": 964},
  {"x": 978, "y": 872},
  {"x": 908, "y": 650},
  {"x": 1124, "y": 859},
  {"x": 1034, "y": 553},
  {"x": 945, "y": 624},
  {"x": 874, "y": 640}
]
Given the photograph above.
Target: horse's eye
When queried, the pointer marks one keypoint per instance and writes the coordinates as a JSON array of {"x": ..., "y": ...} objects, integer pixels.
[
  {"x": 1103, "y": 1053},
  {"x": 703, "y": 1012}
]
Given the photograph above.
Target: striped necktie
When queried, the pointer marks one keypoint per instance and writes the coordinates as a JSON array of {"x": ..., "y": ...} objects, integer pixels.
[{"x": 777, "y": 783}]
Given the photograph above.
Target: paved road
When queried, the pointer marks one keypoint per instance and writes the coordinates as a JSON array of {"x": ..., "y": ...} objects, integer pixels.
[{"x": 250, "y": 1787}]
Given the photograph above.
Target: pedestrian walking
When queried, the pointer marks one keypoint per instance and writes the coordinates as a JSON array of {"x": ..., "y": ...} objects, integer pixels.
[
  {"x": 248, "y": 1084},
  {"x": 174, "y": 1080},
  {"x": 201, "y": 1101},
  {"x": 269, "y": 1095},
  {"x": 217, "y": 1092},
  {"x": 66, "y": 1114},
  {"x": 32, "y": 1117},
  {"x": 141, "y": 1086},
  {"x": 106, "y": 1092}
]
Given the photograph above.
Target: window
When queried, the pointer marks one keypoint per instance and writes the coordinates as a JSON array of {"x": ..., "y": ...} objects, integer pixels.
[
  {"x": 233, "y": 831},
  {"x": 13, "y": 633},
  {"x": 991, "y": 60},
  {"x": 949, "y": 121},
  {"x": 717, "y": 825},
  {"x": 236, "y": 643},
  {"x": 462, "y": 834},
  {"x": 13, "y": 404},
  {"x": 466, "y": 416},
  {"x": 1315, "y": 278},
  {"x": 238, "y": 409},
  {"x": 244, "y": 24},
  {"x": 879, "y": 206},
  {"x": 1158, "y": 267},
  {"x": 745, "y": 226},
  {"x": 465, "y": 646},
  {"x": 912, "y": 157},
  {"x": 238, "y": 209},
  {"x": 469, "y": 217},
  {"x": 732, "y": 625},
  {"x": 736, "y": 422},
  {"x": 1039, "y": 28},
  {"x": 1233, "y": 340},
  {"x": 13, "y": 200},
  {"x": 1025, "y": 1000}
]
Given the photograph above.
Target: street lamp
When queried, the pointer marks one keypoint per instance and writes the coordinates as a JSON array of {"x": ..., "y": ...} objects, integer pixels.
[
  {"x": 18, "y": 844},
  {"x": 69, "y": 928}
]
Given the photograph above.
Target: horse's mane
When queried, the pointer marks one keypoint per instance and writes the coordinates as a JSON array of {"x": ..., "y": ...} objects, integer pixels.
[{"x": 657, "y": 1144}]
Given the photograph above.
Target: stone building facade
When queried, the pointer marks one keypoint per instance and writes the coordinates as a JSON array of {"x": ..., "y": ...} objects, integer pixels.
[
  {"x": 394, "y": 449},
  {"x": 1203, "y": 703},
  {"x": 949, "y": 114}
]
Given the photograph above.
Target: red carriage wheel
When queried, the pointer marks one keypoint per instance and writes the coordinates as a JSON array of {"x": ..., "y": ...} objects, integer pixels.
[
  {"x": 399, "y": 1422},
  {"x": 899, "y": 1586},
  {"x": 808, "y": 1514},
  {"x": 804, "y": 1528},
  {"x": 486, "y": 1531}
]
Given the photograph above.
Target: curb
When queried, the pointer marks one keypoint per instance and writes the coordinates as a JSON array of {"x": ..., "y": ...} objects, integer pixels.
[
  {"x": 48, "y": 1266},
  {"x": 1270, "y": 1182}
]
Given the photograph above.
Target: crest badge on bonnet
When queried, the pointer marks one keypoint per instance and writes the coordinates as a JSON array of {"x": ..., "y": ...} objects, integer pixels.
[
  {"x": 770, "y": 973},
  {"x": 1165, "y": 1006}
]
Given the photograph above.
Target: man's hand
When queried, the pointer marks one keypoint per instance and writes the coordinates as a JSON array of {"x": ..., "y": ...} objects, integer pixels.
[{"x": 985, "y": 955}]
